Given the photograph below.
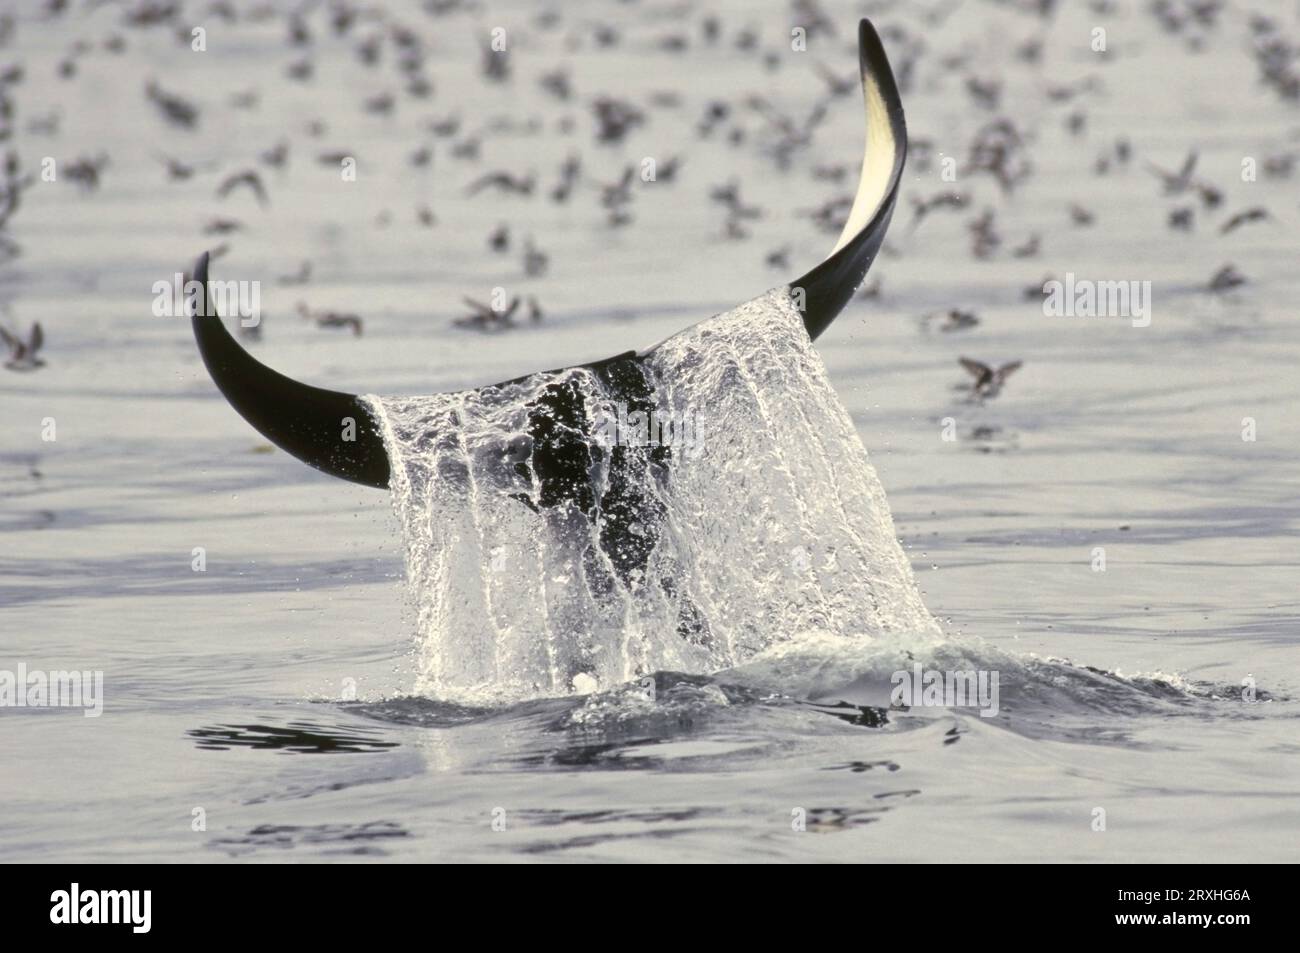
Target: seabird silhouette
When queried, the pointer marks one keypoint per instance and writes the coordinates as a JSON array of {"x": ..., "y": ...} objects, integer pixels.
[{"x": 22, "y": 354}]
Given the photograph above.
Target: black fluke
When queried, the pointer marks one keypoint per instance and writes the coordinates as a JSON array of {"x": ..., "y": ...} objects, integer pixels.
[{"x": 308, "y": 422}]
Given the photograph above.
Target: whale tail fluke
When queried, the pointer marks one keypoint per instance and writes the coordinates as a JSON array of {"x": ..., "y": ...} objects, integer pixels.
[
  {"x": 329, "y": 430},
  {"x": 335, "y": 432},
  {"x": 829, "y": 286}
]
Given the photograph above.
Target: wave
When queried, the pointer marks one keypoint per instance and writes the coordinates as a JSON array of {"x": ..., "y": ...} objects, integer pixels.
[{"x": 792, "y": 690}]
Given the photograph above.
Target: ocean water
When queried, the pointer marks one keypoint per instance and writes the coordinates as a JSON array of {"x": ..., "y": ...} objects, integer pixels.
[{"x": 313, "y": 694}]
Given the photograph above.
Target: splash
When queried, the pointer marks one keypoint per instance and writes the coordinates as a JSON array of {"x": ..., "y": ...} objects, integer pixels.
[{"x": 549, "y": 552}]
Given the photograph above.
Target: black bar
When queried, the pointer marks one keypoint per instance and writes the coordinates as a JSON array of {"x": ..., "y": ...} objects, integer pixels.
[{"x": 331, "y": 903}]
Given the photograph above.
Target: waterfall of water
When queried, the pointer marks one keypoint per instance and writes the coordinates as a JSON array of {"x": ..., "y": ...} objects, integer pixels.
[{"x": 553, "y": 547}]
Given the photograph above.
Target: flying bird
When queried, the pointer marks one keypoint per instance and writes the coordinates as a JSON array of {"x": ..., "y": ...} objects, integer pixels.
[
  {"x": 486, "y": 318},
  {"x": 177, "y": 170},
  {"x": 1226, "y": 278},
  {"x": 177, "y": 111},
  {"x": 504, "y": 182},
  {"x": 221, "y": 226},
  {"x": 568, "y": 178},
  {"x": 85, "y": 171},
  {"x": 276, "y": 155},
  {"x": 923, "y": 207},
  {"x": 1176, "y": 183},
  {"x": 535, "y": 260},
  {"x": 1081, "y": 216},
  {"x": 954, "y": 319},
  {"x": 248, "y": 178},
  {"x": 988, "y": 381},
  {"x": 1256, "y": 214},
  {"x": 557, "y": 83},
  {"x": 331, "y": 319},
  {"x": 22, "y": 354}
]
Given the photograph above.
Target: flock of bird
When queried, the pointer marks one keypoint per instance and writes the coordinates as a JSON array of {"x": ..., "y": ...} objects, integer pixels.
[{"x": 1000, "y": 149}]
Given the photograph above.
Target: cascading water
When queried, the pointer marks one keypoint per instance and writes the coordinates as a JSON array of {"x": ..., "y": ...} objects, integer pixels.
[{"x": 553, "y": 547}]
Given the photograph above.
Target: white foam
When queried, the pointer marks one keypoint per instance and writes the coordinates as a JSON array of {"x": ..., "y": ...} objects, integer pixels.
[{"x": 775, "y": 528}]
